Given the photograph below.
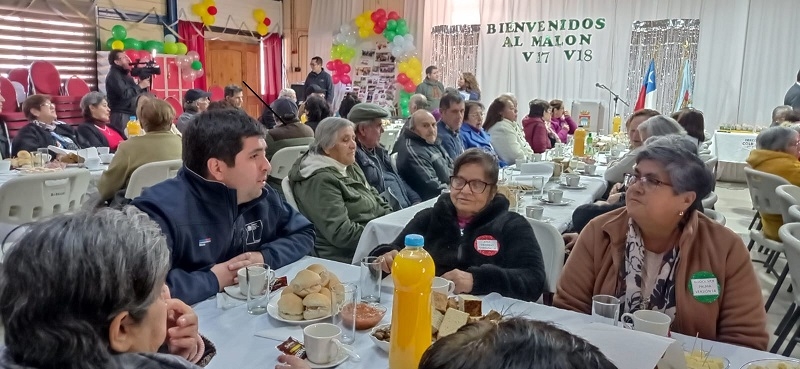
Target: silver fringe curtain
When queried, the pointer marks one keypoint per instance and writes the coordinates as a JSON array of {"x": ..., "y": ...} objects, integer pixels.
[
  {"x": 455, "y": 50},
  {"x": 669, "y": 42}
]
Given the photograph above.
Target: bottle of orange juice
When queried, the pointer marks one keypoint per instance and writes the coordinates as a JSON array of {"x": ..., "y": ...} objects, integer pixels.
[
  {"x": 413, "y": 273},
  {"x": 133, "y": 127},
  {"x": 579, "y": 142},
  {"x": 616, "y": 124}
]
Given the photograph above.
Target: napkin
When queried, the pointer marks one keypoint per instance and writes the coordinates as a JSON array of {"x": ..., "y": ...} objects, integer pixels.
[
  {"x": 226, "y": 302},
  {"x": 282, "y": 333},
  {"x": 538, "y": 168},
  {"x": 626, "y": 348}
]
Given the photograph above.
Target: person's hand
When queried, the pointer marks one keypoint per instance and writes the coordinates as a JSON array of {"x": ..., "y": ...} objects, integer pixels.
[
  {"x": 182, "y": 330},
  {"x": 291, "y": 362},
  {"x": 565, "y": 126},
  {"x": 615, "y": 189},
  {"x": 462, "y": 280},
  {"x": 387, "y": 259},
  {"x": 566, "y": 113},
  {"x": 613, "y": 199},
  {"x": 227, "y": 272},
  {"x": 569, "y": 240},
  {"x": 144, "y": 83}
]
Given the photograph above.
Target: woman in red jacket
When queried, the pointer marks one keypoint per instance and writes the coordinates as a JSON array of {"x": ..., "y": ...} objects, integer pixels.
[{"x": 537, "y": 126}]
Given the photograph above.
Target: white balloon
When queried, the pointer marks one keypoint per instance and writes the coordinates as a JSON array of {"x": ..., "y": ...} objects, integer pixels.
[
  {"x": 345, "y": 28},
  {"x": 398, "y": 40},
  {"x": 409, "y": 38},
  {"x": 409, "y": 47},
  {"x": 350, "y": 41},
  {"x": 169, "y": 38},
  {"x": 397, "y": 52}
]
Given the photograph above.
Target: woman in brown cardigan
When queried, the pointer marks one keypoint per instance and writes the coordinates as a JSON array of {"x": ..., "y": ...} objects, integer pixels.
[{"x": 661, "y": 247}]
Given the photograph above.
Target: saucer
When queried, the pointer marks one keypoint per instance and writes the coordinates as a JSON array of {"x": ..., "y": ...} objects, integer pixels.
[
  {"x": 563, "y": 202},
  {"x": 545, "y": 219},
  {"x": 339, "y": 360},
  {"x": 233, "y": 291},
  {"x": 583, "y": 173},
  {"x": 578, "y": 187}
]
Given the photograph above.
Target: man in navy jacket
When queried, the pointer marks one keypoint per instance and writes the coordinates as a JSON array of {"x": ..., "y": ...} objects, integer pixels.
[
  {"x": 218, "y": 214},
  {"x": 451, "y": 106}
]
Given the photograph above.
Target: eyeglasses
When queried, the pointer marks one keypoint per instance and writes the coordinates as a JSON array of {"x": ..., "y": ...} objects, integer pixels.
[
  {"x": 476, "y": 115},
  {"x": 47, "y": 104},
  {"x": 476, "y": 185},
  {"x": 648, "y": 183}
]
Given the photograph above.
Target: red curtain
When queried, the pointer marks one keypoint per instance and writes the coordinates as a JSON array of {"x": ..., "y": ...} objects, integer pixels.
[
  {"x": 192, "y": 34},
  {"x": 273, "y": 66}
]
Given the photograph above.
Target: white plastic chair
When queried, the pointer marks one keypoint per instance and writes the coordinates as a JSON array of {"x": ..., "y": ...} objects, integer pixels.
[
  {"x": 32, "y": 197},
  {"x": 552, "y": 245},
  {"x": 388, "y": 138},
  {"x": 709, "y": 201},
  {"x": 790, "y": 195},
  {"x": 715, "y": 216},
  {"x": 283, "y": 160},
  {"x": 790, "y": 234},
  {"x": 288, "y": 194},
  {"x": 393, "y": 159},
  {"x": 20, "y": 90},
  {"x": 150, "y": 174},
  {"x": 711, "y": 164}
]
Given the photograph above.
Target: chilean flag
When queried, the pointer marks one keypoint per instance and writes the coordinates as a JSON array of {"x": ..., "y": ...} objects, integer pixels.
[
  {"x": 684, "y": 99},
  {"x": 647, "y": 94}
]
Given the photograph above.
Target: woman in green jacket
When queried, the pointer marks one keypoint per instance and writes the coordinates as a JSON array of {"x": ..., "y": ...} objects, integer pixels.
[{"x": 332, "y": 192}]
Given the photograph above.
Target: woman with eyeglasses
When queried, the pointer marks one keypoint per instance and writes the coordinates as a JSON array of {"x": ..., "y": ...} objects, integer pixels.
[
  {"x": 43, "y": 129},
  {"x": 661, "y": 253},
  {"x": 472, "y": 132},
  {"x": 475, "y": 241}
]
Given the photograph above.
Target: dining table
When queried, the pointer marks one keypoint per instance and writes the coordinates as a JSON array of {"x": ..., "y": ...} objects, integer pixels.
[{"x": 245, "y": 341}]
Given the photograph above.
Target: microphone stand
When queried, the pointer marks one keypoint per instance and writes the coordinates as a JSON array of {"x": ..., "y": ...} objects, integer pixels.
[
  {"x": 264, "y": 102},
  {"x": 616, "y": 97}
]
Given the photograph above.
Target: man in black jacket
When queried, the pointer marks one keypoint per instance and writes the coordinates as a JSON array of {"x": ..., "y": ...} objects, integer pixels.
[
  {"x": 122, "y": 90},
  {"x": 318, "y": 76},
  {"x": 793, "y": 95}
]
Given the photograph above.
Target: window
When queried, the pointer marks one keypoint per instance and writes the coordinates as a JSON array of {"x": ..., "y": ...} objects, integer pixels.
[{"x": 67, "y": 40}]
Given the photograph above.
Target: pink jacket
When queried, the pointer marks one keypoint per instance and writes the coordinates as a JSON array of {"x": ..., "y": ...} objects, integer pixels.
[
  {"x": 562, "y": 133},
  {"x": 536, "y": 134}
]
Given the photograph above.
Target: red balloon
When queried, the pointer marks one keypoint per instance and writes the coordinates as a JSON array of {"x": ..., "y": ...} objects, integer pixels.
[
  {"x": 336, "y": 79},
  {"x": 402, "y": 78},
  {"x": 212, "y": 10},
  {"x": 374, "y": 16},
  {"x": 381, "y": 13},
  {"x": 409, "y": 87},
  {"x": 393, "y": 15},
  {"x": 377, "y": 29},
  {"x": 337, "y": 64},
  {"x": 330, "y": 65},
  {"x": 381, "y": 23},
  {"x": 345, "y": 68},
  {"x": 346, "y": 79},
  {"x": 267, "y": 22}
]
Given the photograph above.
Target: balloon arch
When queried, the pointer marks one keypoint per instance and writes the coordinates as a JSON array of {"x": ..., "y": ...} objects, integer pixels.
[{"x": 389, "y": 26}]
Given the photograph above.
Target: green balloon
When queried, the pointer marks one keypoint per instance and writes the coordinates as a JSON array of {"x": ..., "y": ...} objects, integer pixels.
[
  {"x": 403, "y": 104},
  {"x": 119, "y": 32},
  {"x": 132, "y": 44},
  {"x": 391, "y": 24},
  {"x": 401, "y": 30},
  {"x": 405, "y": 112},
  {"x": 151, "y": 45},
  {"x": 109, "y": 42},
  {"x": 389, "y": 34},
  {"x": 170, "y": 48},
  {"x": 402, "y": 22},
  {"x": 196, "y": 65},
  {"x": 182, "y": 49}
]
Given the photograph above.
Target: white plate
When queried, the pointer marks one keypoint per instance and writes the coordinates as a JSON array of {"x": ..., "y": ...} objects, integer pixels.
[
  {"x": 233, "y": 291},
  {"x": 545, "y": 219},
  {"x": 564, "y": 202},
  {"x": 772, "y": 363},
  {"x": 272, "y": 310},
  {"x": 568, "y": 187},
  {"x": 583, "y": 173},
  {"x": 339, "y": 360},
  {"x": 382, "y": 344}
]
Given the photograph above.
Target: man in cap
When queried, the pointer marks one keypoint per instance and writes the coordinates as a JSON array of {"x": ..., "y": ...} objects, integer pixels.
[
  {"x": 373, "y": 158},
  {"x": 290, "y": 132},
  {"x": 195, "y": 101}
]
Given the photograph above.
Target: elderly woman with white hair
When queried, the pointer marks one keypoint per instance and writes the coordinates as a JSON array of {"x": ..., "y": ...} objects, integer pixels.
[
  {"x": 106, "y": 304},
  {"x": 656, "y": 252},
  {"x": 332, "y": 191},
  {"x": 660, "y": 125},
  {"x": 776, "y": 153},
  {"x": 96, "y": 131}
]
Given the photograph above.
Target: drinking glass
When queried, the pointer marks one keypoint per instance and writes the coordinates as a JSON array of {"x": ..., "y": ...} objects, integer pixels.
[
  {"x": 42, "y": 157},
  {"x": 605, "y": 309},
  {"x": 255, "y": 282},
  {"x": 344, "y": 298},
  {"x": 539, "y": 183},
  {"x": 371, "y": 277}
]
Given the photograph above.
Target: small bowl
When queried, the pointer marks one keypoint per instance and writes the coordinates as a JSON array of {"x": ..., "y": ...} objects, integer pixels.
[
  {"x": 384, "y": 345},
  {"x": 772, "y": 363},
  {"x": 362, "y": 323}
]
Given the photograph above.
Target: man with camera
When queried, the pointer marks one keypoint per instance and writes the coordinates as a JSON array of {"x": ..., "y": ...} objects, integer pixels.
[{"x": 121, "y": 90}]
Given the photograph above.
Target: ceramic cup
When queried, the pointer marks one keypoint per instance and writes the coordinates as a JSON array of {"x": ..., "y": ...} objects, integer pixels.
[
  {"x": 103, "y": 150},
  {"x": 555, "y": 196},
  {"x": 536, "y": 157},
  {"x": 106, "y": 158},
  {"x": 92, "y": 162},
  {"x": 443, "y": 286},
  {"x": 590, "y": 169},
  {"x": 322, "y": 342},
  {"x": 649, "y": 321},
  {"x": 573, "y": 180},
  {"x": 534, "y": 212}
]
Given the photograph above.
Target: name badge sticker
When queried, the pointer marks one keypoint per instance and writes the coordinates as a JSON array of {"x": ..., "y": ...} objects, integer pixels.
[
  {"x": 704, "y": 286},
  {"x": 487, "y": 245}
]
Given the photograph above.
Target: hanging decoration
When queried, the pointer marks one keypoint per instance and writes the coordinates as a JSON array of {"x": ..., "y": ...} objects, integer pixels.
[
  {"x": 262, "y": 22},
  {"x": 120, "y": 41},
  {"x": 394, "y": 29},
  {"x": 207, "y": 11}
]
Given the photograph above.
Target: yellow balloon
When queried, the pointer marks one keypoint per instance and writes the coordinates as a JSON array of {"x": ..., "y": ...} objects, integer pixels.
[
  {"x": 262, "y": 29},
  {"x": 364, "y": 32},
  {"x": 117, "y": 45},
  {"x": 417, "y": 79},
  {"x": 369, "y": 24},
  {"x": 208, "y": 3},
  {"x": 208, "y": 19},
  {"x": 259, "y": 15},
  {"x": 199, "y": 10}
]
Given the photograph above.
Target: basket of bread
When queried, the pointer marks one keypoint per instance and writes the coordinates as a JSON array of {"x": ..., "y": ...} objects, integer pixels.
[
  {"x": 448, "y": 315},
  {"x": 308, "y": 296}
]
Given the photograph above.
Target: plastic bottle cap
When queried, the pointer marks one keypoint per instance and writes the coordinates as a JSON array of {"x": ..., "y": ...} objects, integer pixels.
[{"x": 415, "y": 240}]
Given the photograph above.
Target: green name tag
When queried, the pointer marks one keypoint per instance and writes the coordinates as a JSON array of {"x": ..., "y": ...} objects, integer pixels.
[{"x": 704, "y": 286}]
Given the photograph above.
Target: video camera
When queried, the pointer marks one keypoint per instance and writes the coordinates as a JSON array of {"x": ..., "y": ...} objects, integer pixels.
[{"x": 145, "y": 70}]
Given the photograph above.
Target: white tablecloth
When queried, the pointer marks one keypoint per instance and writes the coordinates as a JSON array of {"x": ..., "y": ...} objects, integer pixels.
[
  {"x": 233, "y": 330},
  {"x": 96, "y": 173},
  {"x": 386, "y": 228},
  {"x": 731, "y": 150}
]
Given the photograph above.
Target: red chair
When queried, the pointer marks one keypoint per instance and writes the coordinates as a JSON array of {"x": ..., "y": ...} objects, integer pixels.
[
  {"x": 9, "y": 94},
  {"x": 19, "y": 75},
  {"x": 76, "y": 87},
  {"x": 45, "y": 78},
  {"x": 14, "y": 122},
  {"x": 176, "y": 105},
  {"x": 217, "y": 93}
]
